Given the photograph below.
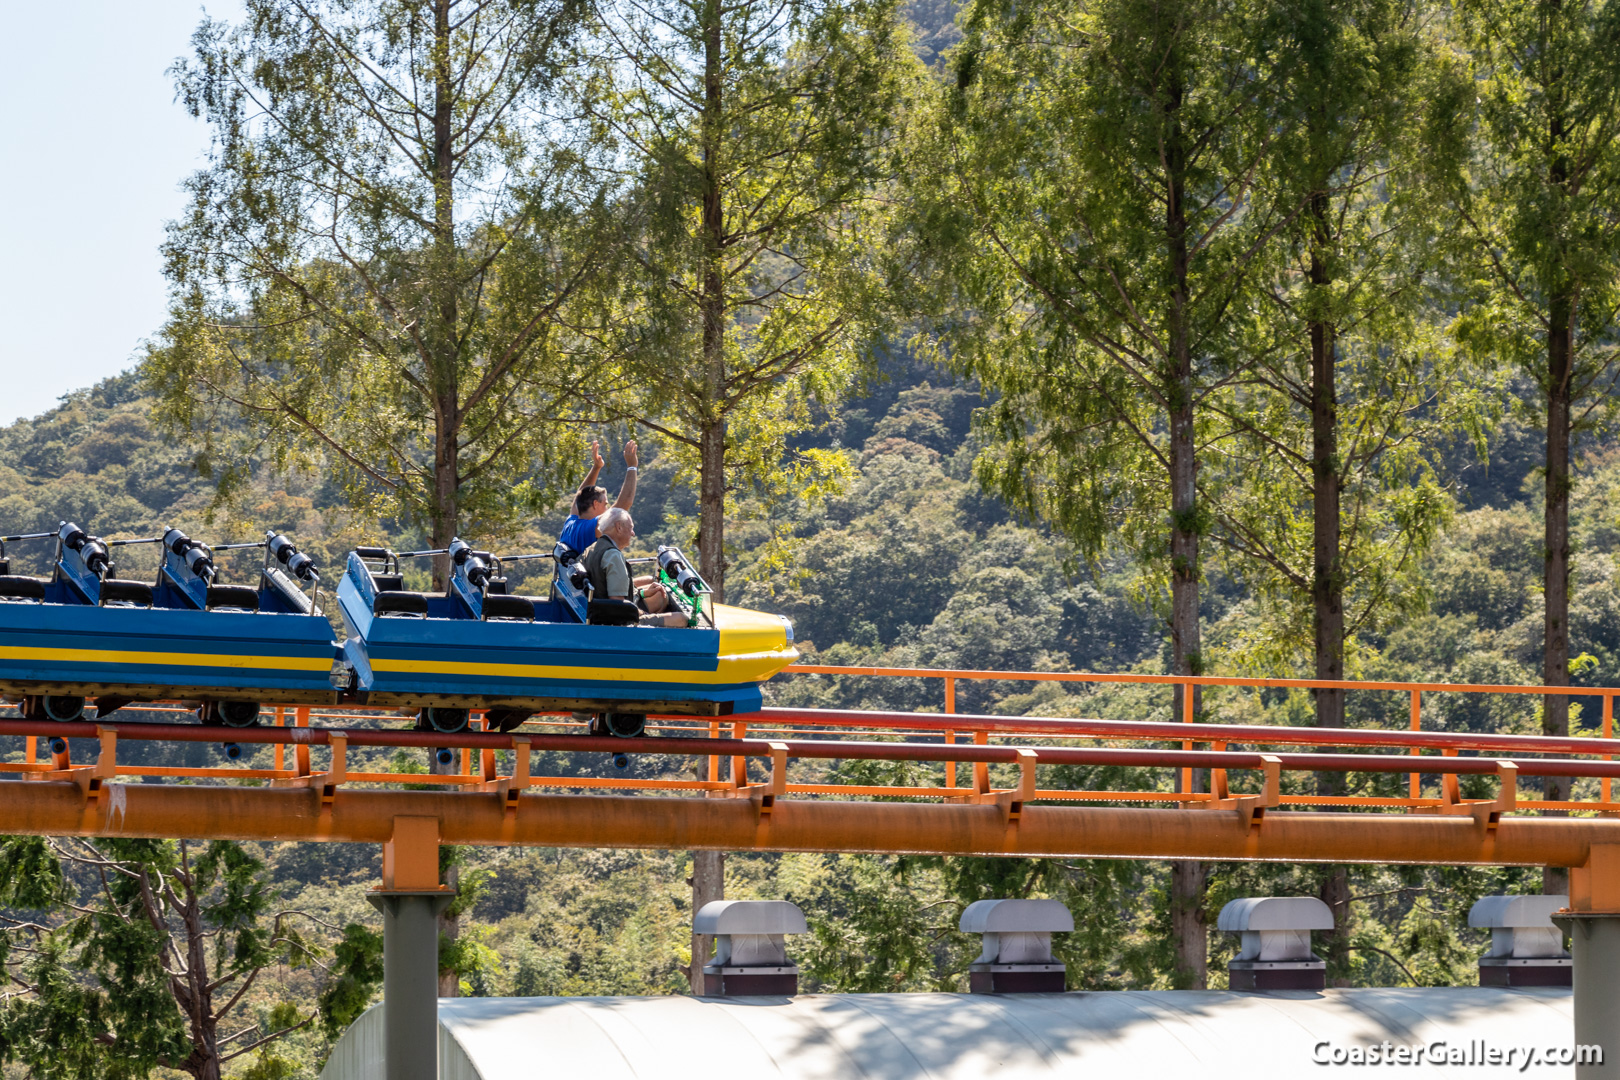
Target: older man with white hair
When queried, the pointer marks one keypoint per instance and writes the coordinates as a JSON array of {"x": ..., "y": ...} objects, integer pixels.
[{"x": 610, "y": 574}]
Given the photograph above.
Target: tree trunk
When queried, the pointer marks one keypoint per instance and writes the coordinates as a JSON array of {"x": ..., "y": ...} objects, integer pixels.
[
  {"x": 1555, "y": 580},
  {"x": 1335, "y": 893},
  {"x": 1188, "y": 925},
  {"x": 1555, "y": 508},
  {"x": 708, "y": 884},
  {"x": 709, "y": 867},
  {"x": 712, "y": 508},
  {"x": 1327, "y": 569},
  {"x": 449, "y": 924},
  {"x": 446, "y": 464},
  {"x": 442, "y": 340},
  {"x": 712, "y": 436},
  {"x": 197, "y": 1002},
  {"x": 1327, "y": 578},
  {"x": 1187, "y": 878},
  {"x": 449, "y": 932}
]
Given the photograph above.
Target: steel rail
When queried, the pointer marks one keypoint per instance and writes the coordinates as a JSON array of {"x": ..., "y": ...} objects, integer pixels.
[
  {"x": 1172, "y": 731},
  {"x": 1195, "y": 680},
  {"x": 821, "y": 749},
  {"x": 939, "y": 723}
]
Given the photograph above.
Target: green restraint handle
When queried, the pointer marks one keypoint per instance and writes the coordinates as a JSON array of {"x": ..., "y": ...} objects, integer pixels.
[{"x": 681, "y": 598}]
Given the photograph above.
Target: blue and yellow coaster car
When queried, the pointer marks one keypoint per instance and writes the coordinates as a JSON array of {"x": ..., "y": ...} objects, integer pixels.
[
  {"x": 85, "y": 634},
  {"x": 479, "y": 647}
]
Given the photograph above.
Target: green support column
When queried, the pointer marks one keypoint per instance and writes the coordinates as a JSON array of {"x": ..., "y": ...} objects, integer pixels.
[
  {"x": 411, "y": 981},
  {"x": 1594, "y": 942}
]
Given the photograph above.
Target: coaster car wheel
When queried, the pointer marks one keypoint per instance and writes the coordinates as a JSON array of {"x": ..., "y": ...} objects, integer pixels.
[
  {"x": 619, "y": 725},
  {"x": 237, "y": 714},
  {"x": 437, "y": 718},
  {"x": 62, "y": 707}
]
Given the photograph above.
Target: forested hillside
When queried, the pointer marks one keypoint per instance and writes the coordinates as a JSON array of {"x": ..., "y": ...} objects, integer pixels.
[
  {"x": 910, "y": 565},
  {"x": 1068, "y": 335}
]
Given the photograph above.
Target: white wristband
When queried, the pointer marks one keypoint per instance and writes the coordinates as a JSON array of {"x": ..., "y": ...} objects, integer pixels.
[{"x": 629, "y": 468}]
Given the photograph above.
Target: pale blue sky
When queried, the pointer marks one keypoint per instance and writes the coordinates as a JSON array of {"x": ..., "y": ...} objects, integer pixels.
[{"x": 94, "y": 148}]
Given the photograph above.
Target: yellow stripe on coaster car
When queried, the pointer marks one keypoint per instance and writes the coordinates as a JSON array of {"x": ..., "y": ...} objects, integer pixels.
[
  {"x": 754, "y": 667},
  {"x": 214, "y": 660}
]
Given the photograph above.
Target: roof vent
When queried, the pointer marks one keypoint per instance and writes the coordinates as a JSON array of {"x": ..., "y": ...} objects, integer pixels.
[
  {"x": 1017, "y": 956},
  {"x": 1526, "y": 948},
  {"x": 1276, "y": 953},
  {"x": 750, "y": 958}
]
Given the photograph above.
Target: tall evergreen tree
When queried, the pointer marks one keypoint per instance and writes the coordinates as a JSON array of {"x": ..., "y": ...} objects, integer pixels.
[
  {"x": 1539, "y": 207},
  {"x": 1090, "y": 198},
  {"x": 370, "y": 275},
  {"x": 1333, "y": 501},
  {"x": 755, "y": 134}
]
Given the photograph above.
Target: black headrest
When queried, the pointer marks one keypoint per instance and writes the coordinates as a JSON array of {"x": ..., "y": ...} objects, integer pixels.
[
  {"x": 31, "y": 588},
  {"x": 136, "y": 592},
  {"x": 498, "y": 606},
  {"x": 612, "y": 613},
  {"x": 402, "y": 603},
  {"x": 233, "y": 596}
]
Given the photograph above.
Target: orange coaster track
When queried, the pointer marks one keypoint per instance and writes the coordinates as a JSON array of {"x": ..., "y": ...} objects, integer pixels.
[{"x": 1001, "y": 806}]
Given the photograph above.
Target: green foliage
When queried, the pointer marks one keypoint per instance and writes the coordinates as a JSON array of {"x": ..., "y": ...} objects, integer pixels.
[
  {"x": 1040, "y": 200},
  {"x": 1536, "y": 195},
  {"x": 267, "y": 1067},
  {"x": 589, "y": 922},
  {"x": 30, "y": 874},
  {"x": 748, "y": 288},
  {"x": 355, "y": 972},
  {"x": 1331, "y": 491},
  {"x": 142, "y": 954},
  {"x": 874, "y": 937},
  {"x": 369, "y": 279},
  {"x": 471, "y": 959}
]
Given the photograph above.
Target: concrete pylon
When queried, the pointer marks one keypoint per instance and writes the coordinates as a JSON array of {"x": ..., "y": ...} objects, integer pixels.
[
  {"x": 1592, "y": 922},
  {"x": 410, "y": 901},
  {"x": 411, "y": 981},
  {"x": 1594, "y": 941}
]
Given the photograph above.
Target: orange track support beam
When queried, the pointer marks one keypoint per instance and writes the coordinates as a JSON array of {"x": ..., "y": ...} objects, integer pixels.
[{"x": 153, "y": 810}]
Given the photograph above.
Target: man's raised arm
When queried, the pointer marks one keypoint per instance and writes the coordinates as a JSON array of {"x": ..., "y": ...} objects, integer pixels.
[
  {"x": 596, "y": 466},
  {"x": 627, "y": 493}
]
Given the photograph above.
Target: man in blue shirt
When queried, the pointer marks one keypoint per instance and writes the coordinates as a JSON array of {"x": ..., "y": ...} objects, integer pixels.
[{"x": 591, "y": 502}]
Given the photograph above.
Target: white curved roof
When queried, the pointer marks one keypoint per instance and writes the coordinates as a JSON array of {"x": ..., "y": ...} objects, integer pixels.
[
  {"x": 1016, "y": 916},
  {"x": 1504, "y": 912},
  {"x": 749, "y": 917},
  {"x": 1275, "y": 913},
  {"x": 964, "y": 1036}
]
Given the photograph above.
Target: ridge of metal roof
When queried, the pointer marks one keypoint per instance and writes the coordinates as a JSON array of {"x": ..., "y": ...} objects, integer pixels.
[{"x": 961, "y": 1036}]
